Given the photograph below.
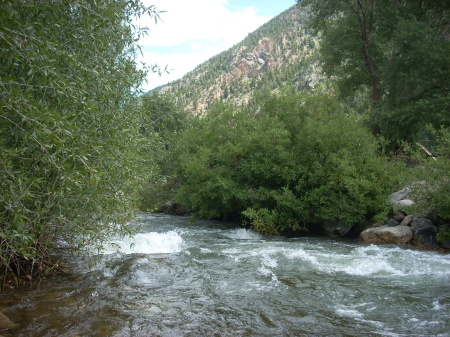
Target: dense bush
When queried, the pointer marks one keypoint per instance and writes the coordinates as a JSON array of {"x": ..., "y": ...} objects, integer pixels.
[
  {"x": 162, "y": 121},
  {"x": 299, "y": 161},
  {"x": 69, "y": 132},
  {"x": 431, "y": 181}
]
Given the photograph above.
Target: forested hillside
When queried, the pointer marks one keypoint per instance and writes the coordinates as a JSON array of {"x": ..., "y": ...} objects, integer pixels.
[{"x": 279, "y": 52}]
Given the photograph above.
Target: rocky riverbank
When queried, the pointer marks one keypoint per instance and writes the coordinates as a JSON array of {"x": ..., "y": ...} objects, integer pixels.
[{"x": 403, "y": 228}]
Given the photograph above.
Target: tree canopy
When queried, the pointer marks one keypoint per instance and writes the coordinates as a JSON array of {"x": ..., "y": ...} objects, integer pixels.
[{"x": 400, "y": 49}]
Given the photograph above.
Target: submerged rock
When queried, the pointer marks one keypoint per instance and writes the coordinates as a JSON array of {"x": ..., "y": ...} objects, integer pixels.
[
  {"x": 6, "y": 323},
  {"x": 385, "y": 234}
]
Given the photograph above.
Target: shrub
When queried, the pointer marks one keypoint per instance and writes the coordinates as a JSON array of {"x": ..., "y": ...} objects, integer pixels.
[
  {"x": 299, "y": 161},
  {"x": 69, "y": 132}
]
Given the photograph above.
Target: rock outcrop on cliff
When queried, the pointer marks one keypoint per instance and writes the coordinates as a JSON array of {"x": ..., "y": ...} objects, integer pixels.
[{"x": 278, "y": 52}]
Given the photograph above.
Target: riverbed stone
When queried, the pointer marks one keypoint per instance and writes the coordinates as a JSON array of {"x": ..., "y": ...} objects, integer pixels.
[
  {"x": 334, "y": 229},
  {"x": 399, "y": 216},
  {"x": 385, "y": 234},
  {"x": 417, "y": 223},
  {"x": 392, "y": 223},
  {"x": 426, "y": 236},
  {"x": 172, "y": 207},
  {"x": 407, "y": 220},
  {"x": 6, "y": 323},
  {"x": 445, "y": 243}
]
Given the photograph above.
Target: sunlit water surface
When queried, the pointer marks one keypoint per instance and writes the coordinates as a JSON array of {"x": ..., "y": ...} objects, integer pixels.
[{"x": 204, "y": 278}]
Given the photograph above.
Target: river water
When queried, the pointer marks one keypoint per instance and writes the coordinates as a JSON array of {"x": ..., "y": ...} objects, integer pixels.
[{"x": 205, "y": 278}]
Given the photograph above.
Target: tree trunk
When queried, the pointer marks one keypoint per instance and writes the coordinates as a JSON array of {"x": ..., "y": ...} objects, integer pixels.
[{"x": 366, "y": 21}]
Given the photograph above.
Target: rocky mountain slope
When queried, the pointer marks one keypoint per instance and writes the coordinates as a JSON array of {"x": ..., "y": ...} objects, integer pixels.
[{"x": 279, "y": 52}]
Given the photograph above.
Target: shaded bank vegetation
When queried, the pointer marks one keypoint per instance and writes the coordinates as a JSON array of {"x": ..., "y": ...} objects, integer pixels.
[{"x": 71, "y": 165}]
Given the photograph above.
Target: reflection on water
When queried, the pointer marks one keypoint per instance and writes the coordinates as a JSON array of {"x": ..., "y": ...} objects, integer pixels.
[{"x": 182, "y": 278}]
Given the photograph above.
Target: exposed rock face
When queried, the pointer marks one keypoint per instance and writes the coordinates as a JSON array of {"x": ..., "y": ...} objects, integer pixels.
[
  {"x": 399, "y": 198},
  {"x": 234, "y": 75},
  {"x": 446, "y": 243},
  {"x": 424, "y": 232},
  {"x": 384, "y": 234}
]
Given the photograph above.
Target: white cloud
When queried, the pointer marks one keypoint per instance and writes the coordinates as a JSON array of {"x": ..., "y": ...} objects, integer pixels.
[
  {"x": 196, "y": 46},
  {"x": 178, "y": 64},
  {"x": 195, "y": 30}
]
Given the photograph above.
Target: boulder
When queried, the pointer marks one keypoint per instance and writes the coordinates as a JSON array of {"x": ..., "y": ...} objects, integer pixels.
[
  {"x": 334, "y": 229},
  {"x": 384, "y": 234},
  {"x": 417, "y": 223},
  {"x": 445, "y": 243},
  {"x": 399, "y": 216},
  {"x": 392, "y": 223},
  {"x": 171, "y": 207},
  {"x": 394, "y": 198},
  {"x": 407, "y": 220},
  {"x": 426, "y": 236},
  {"x": 405, "y": 203}
]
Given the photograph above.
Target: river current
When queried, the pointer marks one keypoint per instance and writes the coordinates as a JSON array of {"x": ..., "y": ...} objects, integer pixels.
[{"x": 206, "y": 278}]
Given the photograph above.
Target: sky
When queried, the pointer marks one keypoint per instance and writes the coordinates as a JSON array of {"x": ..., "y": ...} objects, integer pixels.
[{"x": 191, "y": 32}]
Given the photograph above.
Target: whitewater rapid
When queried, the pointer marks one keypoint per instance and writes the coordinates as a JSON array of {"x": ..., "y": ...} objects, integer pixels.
[{"x": 176, "y": 277}]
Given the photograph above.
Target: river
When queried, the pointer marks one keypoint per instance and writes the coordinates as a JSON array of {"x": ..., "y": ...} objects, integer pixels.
[{"x": 207, "y": 278}]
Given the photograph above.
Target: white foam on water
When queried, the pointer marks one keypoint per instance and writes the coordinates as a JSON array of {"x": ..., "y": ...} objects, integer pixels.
[
  {"x": 148, "y": 243},
  {"x": 437, "y": 306},
  {"x": 302, "y": 255},
  {"x": 232, "y": 251},
  {"x": 352, "y": 312},
  {"x": 265, "y": 271},
  {"x": 349, "y": 313},
  {"x": 377, "y": 261},
  {"x": 243, "y": 234},
  {"x": 366, "y": 267},
  {"x": 268, "y": 261}
]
